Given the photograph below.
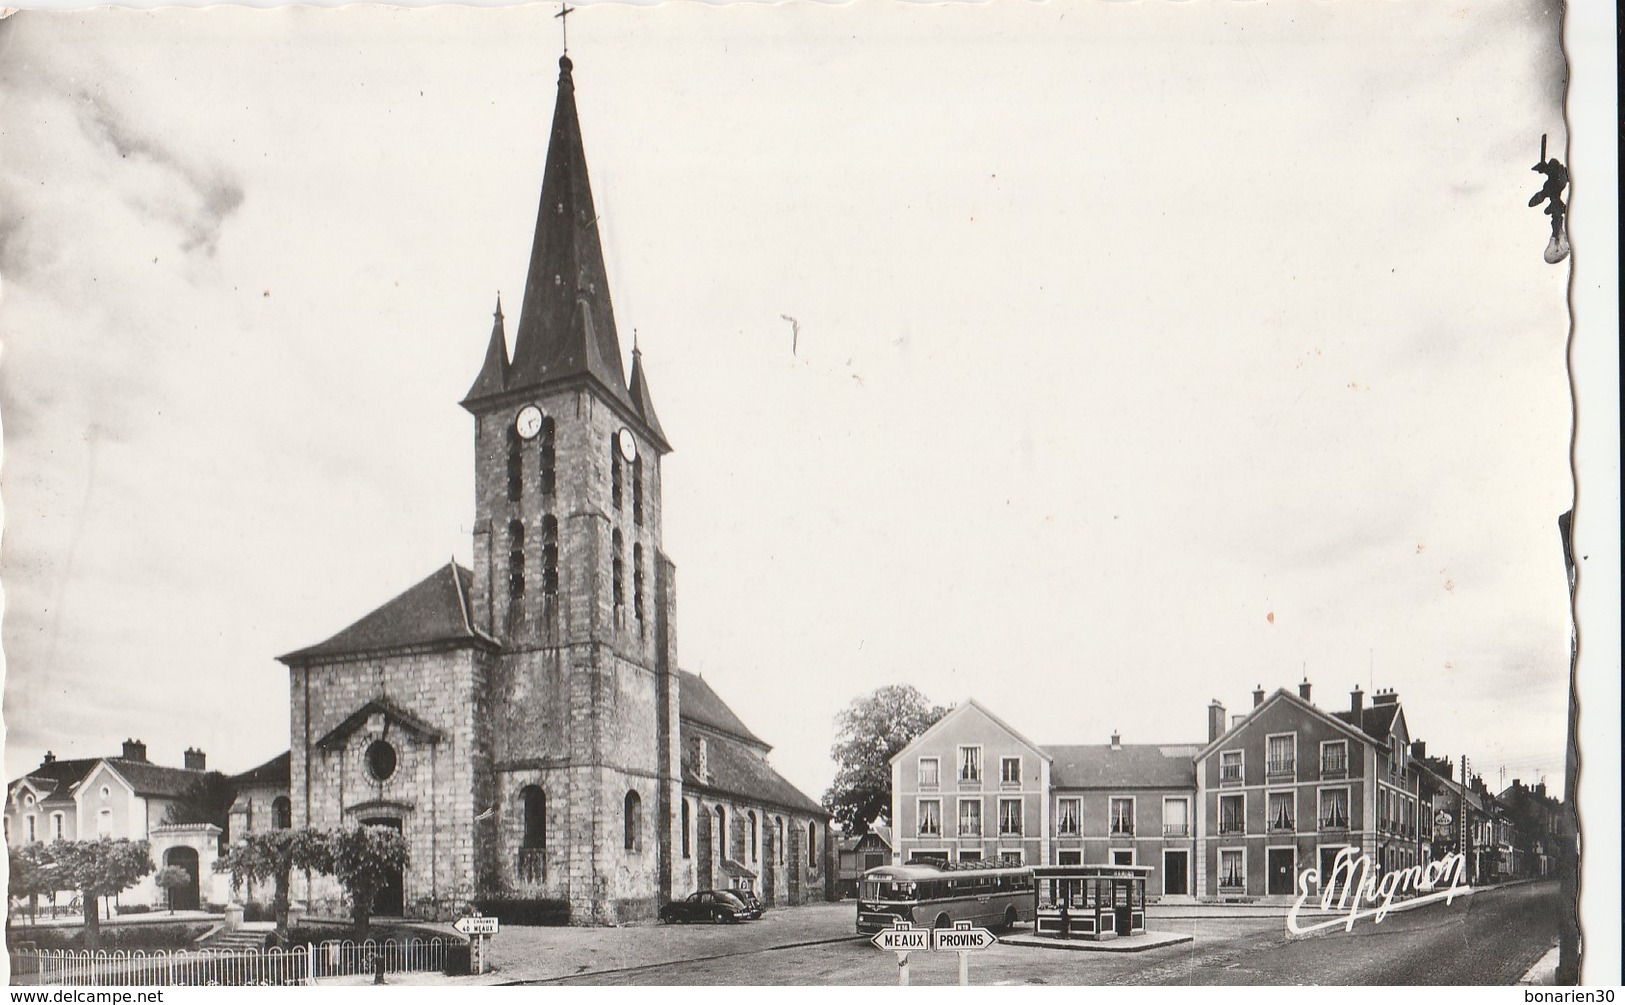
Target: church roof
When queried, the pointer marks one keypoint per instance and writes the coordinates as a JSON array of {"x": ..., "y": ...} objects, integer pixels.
[
  {"x": 275, "y": 772},
  {"x": 493, "y": 378},
  {"x": 741, "y": 772},
  {"x": 640, "y": 396},
  {"x": 1130, "y": 765},
  {"x": 566, "y": 323},
  {"x": 436, "y": 610},
  {"x": 699, "y": 704}
]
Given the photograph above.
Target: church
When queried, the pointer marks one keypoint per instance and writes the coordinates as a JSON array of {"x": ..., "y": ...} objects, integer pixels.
[{"x": 525, "y": 723}]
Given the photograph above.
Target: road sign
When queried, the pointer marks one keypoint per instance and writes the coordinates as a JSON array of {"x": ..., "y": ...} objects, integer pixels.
[
  {"x": 476, "y": 925},
  {"x": 962, "y": 938},
  {"x": 903, "y": 937}
]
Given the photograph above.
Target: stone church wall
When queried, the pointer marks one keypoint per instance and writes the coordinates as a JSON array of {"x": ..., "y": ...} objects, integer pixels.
[{"x": 720, "y": 826}]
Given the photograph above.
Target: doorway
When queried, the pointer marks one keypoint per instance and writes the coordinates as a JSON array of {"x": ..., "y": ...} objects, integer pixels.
[
  {"x": 1279, "y": 863},
  {"x": 390, "y": 900},
  {"x": 1122, "y": 910},
  {"x": 186, "y": 896},
  {"x": 1176, "y": 873}
]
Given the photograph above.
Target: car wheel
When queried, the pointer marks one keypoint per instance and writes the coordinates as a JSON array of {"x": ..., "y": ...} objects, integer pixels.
[
  {"x": 718, "y": 918},
  {"x": 1009, "y": 918},
  {"x": 943, "y": 921}
]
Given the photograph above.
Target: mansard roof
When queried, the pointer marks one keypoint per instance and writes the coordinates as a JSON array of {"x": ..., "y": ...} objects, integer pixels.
[
  {"x": 435, "y": 611},
  {"x": 742, "y": 773},
  {"x": 699, "y": 704},
  {"x": 1128, "y": 766}
]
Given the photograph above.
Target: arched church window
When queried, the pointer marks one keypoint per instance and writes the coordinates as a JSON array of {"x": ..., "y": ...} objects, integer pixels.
[
  {"x": 778, "y": 835},
  {"x": 637, "y": 491},
  {"x": 516, "y": 559},
  {"x": 812, "y": 845},
  {"x": 687, "y": 827},
  {"x": 617, "y": 570},
  {"x": 637, "y": 581},
  {"x": 381, "y": 760},
  {"x": 516, "y": 466},
  {"x": 614, "y": 473},
  {"x": 754, "y": 852},
  {"x": 547, "y": 457},
  {"x": 634, "y": 821},
  {"x": 534, "y": 801},
  {"x": 724, "y": 846},
  {"x": 281, "y": 813},
  {"x": 550, "y": 555}
]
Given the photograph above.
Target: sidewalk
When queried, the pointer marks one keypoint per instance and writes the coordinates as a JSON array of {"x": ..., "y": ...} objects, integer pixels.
[{"x": 1544, "y": 972}]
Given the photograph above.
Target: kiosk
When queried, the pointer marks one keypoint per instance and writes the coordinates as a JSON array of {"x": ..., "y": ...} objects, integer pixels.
[{"x": 1089, "y": 901}]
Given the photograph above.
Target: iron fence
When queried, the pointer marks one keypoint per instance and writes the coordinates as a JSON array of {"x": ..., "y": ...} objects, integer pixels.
[{"x": 228, "y": 967}]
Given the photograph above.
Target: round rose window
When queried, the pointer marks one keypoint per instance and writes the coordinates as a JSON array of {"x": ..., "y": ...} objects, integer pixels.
[{"x": 381, "y": 760}]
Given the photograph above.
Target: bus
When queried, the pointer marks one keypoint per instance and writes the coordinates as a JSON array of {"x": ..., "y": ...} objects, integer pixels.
[{"x": 937, "y": 895}]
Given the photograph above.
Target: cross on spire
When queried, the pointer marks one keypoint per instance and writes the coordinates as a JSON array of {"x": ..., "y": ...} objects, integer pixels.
[{"x": 565, "y": 10}]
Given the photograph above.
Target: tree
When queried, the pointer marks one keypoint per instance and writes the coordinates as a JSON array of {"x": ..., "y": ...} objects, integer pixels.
[
  {"x": 363, "y": 860},
  {"x": 100, "y": 868},
  {"x": 169, "y": 879},
  {"x": 868, "y": 733},
  {"x": 32, "y": 873},
  {"x": 272, "y": 856}
]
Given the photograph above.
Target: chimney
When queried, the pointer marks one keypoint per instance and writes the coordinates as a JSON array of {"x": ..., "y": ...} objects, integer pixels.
[
  {"x": 135, "y": 750},
  {"x": 49, "y": 758},
  {"x": 1258, "y": 696},
  {"x": 1303, "y": 689},
  {"x": 193, "y": 759},
  {"x": 1117, "y": 740},
  {"x": 1215, "y": 720},
  {"x": 1419, "y": 749},
  {"x": 1386, "y": 696},
  {"x": 1356, "y": 700},
  {"x": 1235, "y": 719}
]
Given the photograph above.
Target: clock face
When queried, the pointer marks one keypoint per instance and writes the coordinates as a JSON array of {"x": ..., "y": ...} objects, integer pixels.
[
  {"x": 529, "y": 421},
  {"x": 629, "y": 446}
]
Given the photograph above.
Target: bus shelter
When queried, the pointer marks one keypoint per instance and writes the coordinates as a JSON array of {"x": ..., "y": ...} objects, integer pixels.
[{"x": 1089, "y": 901}]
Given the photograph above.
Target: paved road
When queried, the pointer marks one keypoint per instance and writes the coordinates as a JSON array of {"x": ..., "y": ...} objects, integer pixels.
[{"x": 1489, "y": 938}]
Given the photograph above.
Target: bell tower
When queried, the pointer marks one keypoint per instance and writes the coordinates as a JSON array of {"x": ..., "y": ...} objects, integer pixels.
[{"x": 570, "y": 577}]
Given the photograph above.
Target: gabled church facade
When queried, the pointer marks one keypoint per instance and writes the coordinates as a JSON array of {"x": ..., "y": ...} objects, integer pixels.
[{"x": 524, "y": 723}]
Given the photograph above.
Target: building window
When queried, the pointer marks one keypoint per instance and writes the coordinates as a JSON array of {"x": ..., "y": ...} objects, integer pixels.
[
  {"x": 634, "y": 821},
  {"x": 545, "y": 454},
  {"x": 778, "y": 843},
  {"x": 56, "y": 826},
  {"x": 930, "y": 813},
  {"x": 1233, "y": 814},
  {"x": 970, "y": 818},
  {"x": 812, "y": 845},
  {"x": 1334, "y": 809},
  {"x": 1232, "y": 869},
  {"x": 1122, "y": 816},
  {"x": 1010, "y": 771},
  {"x": 614, "y": 473},
  {"x": 1281, "y": 815},
  {"x": 1230, "y": 766},
  {"x": 32, "y": 837},
  {"x": 1176, "y": 817},
  {"x": 516, "y": 466},
  {"x": 1010, "y": 816},
  {"x": 755, "y": 853},
  {"x": 970, "y": 764},
  {"x": 516, "y": 559},
  {"x": 550, "y": 555},
  {"x": 637, "y": 581},
  {"x": 533, "y": 803},
  {"x": 930, "y": 772},
  {"x": 617, "y": 570},
  {"x": 1334, "y": 757},
  {"x": 1069, "y": 817},
  {"x": 637, "y": 491},
  {"x": 723, "y": 849},
  {"x": 702, "y": 763},
  {"x": 381, "y": 760},
  {"x": 281, "y": 813},
  {"x": 1010, "y": 858},
  {"x": 688, "y": 823},
  {"x": 1280, "y": 757}
]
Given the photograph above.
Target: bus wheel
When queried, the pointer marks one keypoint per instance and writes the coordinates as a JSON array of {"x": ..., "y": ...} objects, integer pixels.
[
  {"x": 943, "y": 921},
  {"x": 1009, "y": 918}
]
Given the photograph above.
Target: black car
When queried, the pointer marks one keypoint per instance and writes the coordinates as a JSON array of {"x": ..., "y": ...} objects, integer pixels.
[
  {"x": 751, "y": 901},
  {"x": 715, "y": 906}
]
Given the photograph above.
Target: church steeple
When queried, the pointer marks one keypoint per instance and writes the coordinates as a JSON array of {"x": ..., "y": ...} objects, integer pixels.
[
  {"x": 640, "y": 394},
  {"x": 566, "y": 323},
  {"x": 493, "y": 378}
]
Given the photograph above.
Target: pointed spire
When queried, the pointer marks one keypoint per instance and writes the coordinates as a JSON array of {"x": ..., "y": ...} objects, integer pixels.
[
  {"x": 566, "y": 323},
  {"x": 640, "y": 395},
  {"x": 493, "y": 378}
]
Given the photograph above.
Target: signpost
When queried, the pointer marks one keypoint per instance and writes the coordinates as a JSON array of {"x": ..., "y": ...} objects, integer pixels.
[
  {"x": 478, "y": 928},
  {"x": 903, "y": 938}
]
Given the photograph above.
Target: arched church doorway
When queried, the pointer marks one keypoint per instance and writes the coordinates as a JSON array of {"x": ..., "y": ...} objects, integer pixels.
[
  {"x": 186, "y": 896},
  {"x": 390, "y": 901}
]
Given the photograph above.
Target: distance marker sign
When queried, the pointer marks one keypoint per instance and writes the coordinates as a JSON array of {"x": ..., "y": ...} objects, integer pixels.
[
  {"x": 476, "y": 926},
  {"x": 962, "y": 938},
  {"x": 903, "y": 938}
]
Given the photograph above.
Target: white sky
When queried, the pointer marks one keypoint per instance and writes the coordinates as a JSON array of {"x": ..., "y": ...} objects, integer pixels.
[{"x": 1123, "y": 327}]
